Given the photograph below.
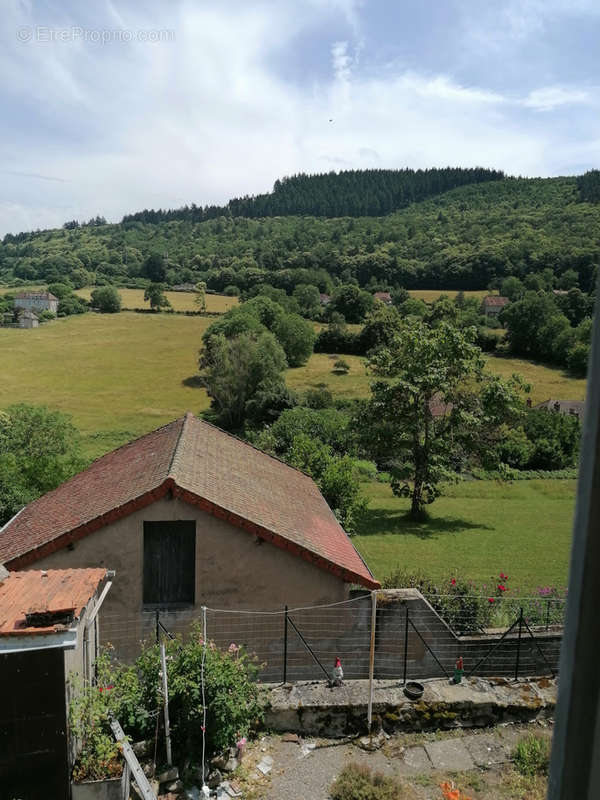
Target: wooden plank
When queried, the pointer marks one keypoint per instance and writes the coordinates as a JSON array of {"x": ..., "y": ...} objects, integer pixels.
[{"x": 134, "y": 764}]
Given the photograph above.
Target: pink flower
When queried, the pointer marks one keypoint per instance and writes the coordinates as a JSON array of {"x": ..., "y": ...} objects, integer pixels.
[
  {"x": 453, "y": 581},
  {"x": 490, "y": 599}
]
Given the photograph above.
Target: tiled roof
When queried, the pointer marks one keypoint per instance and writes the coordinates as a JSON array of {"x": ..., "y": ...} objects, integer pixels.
[
  {"x": 495, "y": 300},
  {"x": 35, "y": 296},
  {"x": 205, "y": 467},
  {"x": 44, "y": 592},
  {"x": 563, "y": 406},
  {"x": 385, "y": 296}
]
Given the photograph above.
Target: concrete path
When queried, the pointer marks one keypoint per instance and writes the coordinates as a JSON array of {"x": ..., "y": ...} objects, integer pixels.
[{"x": 300, "y": 773}]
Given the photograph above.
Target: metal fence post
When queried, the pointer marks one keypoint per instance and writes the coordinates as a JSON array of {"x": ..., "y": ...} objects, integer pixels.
[
  {"x": 285, "y": 643},
  {"x": 157, "y": 626},
  {"x": 165, "y": 689},
  {"x": 406, "y": 644},
  {"x": 519, "y": 644},
  {"x": 372, "y": 657}
]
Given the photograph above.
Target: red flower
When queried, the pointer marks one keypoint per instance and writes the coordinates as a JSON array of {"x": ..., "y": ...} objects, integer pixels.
[
  {"x": 501, "y": 587},
  {"x": 503, "y": 577},
  {"x": 490, "y": 599},
  {"x": 453, "y": 581}
]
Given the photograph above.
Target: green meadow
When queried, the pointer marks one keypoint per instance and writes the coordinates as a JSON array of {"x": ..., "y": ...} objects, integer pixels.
[{"x": 476, "y": 530}]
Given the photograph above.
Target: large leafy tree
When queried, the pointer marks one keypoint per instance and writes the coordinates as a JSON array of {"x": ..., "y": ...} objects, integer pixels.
[
  {"x": 39, "y": 449},
  {"x": 155, "y": 294},
  {"x": 432, "y": 408},
  {"x": 107, "y": 299},
  {"x": 239, "y": 373}
]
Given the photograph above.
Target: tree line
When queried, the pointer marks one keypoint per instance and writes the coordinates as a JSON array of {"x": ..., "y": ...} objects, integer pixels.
[
  {"x": 348, "y": 193},
  {"x": 468, "y": 238}
]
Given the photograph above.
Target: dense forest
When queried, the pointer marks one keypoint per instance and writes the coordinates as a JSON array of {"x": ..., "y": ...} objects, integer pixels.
[
  {"x": 470, "y": 237},
  {"x": 349, "y": 193}
]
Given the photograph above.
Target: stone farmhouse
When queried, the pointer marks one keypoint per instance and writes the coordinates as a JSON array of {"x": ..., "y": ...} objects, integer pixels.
[
  {"x": 37, "y": 301},
  {"x": 189, "y": 515},
  {"x": 492, "y": 305}
]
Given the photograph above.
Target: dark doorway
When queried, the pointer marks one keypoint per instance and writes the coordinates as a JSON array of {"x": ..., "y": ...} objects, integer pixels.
[{"x": 33, "y": 726}]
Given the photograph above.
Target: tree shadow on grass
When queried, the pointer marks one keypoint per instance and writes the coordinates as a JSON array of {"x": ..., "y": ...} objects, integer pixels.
[
  {"x": 380, "y": 521},
  {"x": 194, "y": 382}
]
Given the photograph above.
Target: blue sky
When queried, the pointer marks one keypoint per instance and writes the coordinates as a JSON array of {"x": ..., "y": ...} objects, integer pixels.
[{"x": 198, "y": 102}]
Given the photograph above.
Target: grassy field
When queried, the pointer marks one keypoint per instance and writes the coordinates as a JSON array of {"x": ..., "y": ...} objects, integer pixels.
[
  {"x": 121, "y": 375},
  {"x": 118, "y": 375},
  {"x": 545, "y": 381},
  {"x": 181, "y": 301},
  {"x": 476, "y": 530}
]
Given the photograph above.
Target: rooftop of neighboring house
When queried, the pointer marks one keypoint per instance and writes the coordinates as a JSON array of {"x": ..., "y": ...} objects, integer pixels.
[
  {"x": 385, "y": 297},
  {"x": 27, "y": 314},
  {"x": 35, "y": 296},
  {"x": 439, "y": 407},
  {"x": 325, "y": 298},
  {"x": 204, "y": 466},
  {"x": 495, "y": 301},
  {"x": 563, "y": 406},
  {"x": 42, "y": 602}
]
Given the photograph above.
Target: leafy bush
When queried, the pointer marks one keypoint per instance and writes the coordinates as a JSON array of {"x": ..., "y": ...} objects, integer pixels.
[
  {"x": 341, "y": 366},
  {"x": 233, "y": 708},
  {"x": 532, "y": 755},
  {"x": 107, "y": 300},
  {"x": 357, "y": 782},
  {"x": 99, "y": 756}
]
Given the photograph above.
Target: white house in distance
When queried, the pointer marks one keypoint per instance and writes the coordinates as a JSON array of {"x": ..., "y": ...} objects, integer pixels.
[{"x": 36, "y": 301}]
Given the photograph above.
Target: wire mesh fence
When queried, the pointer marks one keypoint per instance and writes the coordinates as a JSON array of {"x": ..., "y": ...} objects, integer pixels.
[{"x": 412, "y": 637}]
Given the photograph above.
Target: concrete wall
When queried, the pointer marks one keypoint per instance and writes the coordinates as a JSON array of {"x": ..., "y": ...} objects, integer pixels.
[{"x": 233, "y": 571}]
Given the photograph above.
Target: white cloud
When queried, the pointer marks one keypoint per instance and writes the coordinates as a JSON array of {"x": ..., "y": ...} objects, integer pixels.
[
  {"x": 207, "y": 117},
  {"x": 550, "y": 97}
]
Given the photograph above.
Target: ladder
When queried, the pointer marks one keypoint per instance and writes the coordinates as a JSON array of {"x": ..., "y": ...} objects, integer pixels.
[{"x": 134, "y": 764}]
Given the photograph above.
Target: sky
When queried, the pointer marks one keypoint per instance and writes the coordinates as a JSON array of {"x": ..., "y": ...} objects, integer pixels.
[{"x": 112, "y": 106}]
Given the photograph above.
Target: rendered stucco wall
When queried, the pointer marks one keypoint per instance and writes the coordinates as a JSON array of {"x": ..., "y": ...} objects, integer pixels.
[{"x": 233, "y": 571}]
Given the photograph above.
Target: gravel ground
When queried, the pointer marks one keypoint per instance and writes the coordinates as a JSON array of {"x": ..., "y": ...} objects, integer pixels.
[{"x": 422, "y": 761}]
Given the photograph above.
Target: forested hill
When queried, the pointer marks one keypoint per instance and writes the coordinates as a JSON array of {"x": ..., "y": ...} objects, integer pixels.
[
  {"x": 350, "y": 193},
  {"x": 461, "y": 239}
]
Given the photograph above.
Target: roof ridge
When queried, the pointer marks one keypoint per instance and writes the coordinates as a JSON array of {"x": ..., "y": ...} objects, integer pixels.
[
  {"x": 130, "y": 441},
  {"x": 173, "y": 465},
  {"x": 189, "y": 414}
]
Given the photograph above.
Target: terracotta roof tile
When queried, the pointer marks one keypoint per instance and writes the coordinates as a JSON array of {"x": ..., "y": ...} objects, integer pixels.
[
  {"x": 44, "y": 591},
  {"x": 205, "y": 465},
  {"x": 495, "y": 300}
]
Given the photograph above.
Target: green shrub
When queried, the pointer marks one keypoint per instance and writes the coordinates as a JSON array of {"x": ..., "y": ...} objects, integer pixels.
[
  {"x": 532, "y": 755},
  {"x": 341, "y": 366},
  {"x": 233, "y": 708},
  {"x": 356, "y": 782},
  {"x": 99, "y": 757},
  {"x": 133, "y": 696}
]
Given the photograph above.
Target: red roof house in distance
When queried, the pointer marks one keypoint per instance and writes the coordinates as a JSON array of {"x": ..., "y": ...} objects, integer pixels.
[
  {"x": 493, "y": 304},
  {"x": 48, "y": 630},
  {"x": 189, "y": 515},
  {"x": 383, "y": 297}
]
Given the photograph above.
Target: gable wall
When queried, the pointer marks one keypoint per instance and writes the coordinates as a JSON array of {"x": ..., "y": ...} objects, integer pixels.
[{"x": 233, "y": 571}]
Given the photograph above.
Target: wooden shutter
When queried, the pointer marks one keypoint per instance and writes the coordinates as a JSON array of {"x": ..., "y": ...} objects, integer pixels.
[{"x": 169, "y": 563}]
